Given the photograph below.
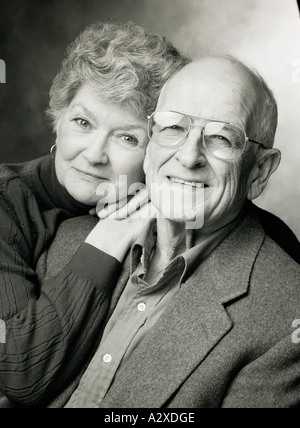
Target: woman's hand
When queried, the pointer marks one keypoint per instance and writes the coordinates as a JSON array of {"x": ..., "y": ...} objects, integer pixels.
[
  {"x": 123, "y": 208},
  {"x": 115, "y": 234}
]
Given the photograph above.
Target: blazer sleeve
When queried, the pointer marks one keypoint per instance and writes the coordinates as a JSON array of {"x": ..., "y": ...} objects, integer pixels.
[
  {"x": 50, "y": 328},
  {"x": 270, "y": 381}
]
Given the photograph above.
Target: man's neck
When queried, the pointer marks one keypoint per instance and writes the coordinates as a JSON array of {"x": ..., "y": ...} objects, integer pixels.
[{"x": 174, "y": 238}]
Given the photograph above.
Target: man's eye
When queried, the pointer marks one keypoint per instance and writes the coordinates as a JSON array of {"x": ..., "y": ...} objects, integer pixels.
[
  {"x": 172, "y": 129},
  {"x": 218, "y": 139},
  {"x": 83, "y": 123}
]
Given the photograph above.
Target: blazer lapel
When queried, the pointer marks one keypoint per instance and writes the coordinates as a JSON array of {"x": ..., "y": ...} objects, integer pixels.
[{"x": 191, "y": 326}]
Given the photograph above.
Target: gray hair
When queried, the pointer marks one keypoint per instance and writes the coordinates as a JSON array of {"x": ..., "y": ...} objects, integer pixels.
[{"x": 123, "y": 62}]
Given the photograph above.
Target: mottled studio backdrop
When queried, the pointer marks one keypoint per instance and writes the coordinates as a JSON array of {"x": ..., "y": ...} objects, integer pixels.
[{"x": 264, "y": 33}]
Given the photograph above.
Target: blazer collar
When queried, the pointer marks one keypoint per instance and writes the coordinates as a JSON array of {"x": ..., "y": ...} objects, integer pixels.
[
  {"x": 231, "y": 264},
  {"x": 191, "y": 326}
]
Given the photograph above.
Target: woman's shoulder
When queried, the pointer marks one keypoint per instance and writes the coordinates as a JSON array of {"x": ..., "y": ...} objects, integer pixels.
[
  {"x": 6, "y": 173},
  {"x": 15, "y": 185},
  {"x": 9, "y": 171},
  {"x": 20, "y": 177}
]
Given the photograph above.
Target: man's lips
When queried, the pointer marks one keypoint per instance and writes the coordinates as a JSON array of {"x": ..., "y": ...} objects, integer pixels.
[{"x": 197, "y": 184}]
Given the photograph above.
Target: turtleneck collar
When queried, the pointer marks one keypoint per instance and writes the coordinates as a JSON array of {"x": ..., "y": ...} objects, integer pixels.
[{"x": 53, "y": 193}]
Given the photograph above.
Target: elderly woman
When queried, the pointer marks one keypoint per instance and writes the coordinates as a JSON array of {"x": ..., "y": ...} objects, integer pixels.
[{"x": 109, "y": 82}]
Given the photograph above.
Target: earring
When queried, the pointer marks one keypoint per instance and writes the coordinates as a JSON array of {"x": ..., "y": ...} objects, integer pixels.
[{"x": 52, "y": 151}]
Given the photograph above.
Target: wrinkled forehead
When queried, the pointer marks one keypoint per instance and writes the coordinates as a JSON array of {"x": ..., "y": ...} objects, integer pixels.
[{"x": 212, "y": 89}]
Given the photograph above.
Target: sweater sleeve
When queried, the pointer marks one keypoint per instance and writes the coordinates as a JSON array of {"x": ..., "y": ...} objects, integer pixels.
[{"x": 51, "y": 328}]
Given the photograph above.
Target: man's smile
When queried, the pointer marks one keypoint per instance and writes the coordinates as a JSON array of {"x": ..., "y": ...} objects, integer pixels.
[{"x": 177, "y": 180}]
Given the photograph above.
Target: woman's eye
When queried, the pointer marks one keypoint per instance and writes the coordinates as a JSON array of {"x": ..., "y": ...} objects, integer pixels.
[
  {"x": 130, "y": 139},
  {"x": 82, "y": 123}
]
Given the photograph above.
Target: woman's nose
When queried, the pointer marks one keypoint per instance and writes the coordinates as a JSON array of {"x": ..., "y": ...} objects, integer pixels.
[
  {"x": 97, "y": 150},
  {"x": 191, "y": 153}
]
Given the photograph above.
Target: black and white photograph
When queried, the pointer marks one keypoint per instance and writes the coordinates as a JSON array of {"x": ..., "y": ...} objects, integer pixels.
[{"x": 150, "y": 206}]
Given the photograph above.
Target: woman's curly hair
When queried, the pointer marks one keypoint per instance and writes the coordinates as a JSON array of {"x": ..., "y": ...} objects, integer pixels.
[{"x": 122, "y": 61}]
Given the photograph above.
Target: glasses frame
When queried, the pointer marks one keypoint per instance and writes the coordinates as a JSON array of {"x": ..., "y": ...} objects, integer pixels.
[{"x": 192, "y": 125}]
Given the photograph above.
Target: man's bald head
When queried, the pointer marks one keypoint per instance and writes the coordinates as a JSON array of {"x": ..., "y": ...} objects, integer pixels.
[{"x": 208, "y": 79}]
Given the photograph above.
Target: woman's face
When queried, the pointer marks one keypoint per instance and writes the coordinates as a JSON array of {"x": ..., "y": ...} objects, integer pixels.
[{"x": 99, "y": 144}]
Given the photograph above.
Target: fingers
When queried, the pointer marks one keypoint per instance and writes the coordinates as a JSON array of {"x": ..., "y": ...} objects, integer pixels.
[
  {"x": 110, "y": 209},
  {"x": 93, "y": 212},
  {"x": 147, "y": 212},
  {"x": 137, "y": 207},
  {"x": 134, "y": 206}
]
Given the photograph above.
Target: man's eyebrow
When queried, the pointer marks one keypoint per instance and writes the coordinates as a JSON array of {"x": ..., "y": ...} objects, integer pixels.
[{"x": 86, "y": 110}]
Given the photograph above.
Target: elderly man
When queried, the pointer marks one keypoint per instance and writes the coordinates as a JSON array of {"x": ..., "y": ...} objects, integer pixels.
[{"x": 202, "y": 317}]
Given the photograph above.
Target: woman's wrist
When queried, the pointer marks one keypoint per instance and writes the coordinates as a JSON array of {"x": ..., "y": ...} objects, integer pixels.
[
  {"x": 115, "y": 248},
  {"x": 112, "y": 237}
]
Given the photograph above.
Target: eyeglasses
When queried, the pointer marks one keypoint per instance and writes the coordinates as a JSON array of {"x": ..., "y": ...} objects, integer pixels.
[{"x": 222, "y": 140}]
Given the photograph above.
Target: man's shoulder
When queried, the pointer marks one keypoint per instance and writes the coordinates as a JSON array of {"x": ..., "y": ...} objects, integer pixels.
[
  {"x": 276, "y": 267},
  {"x": 271, "y": 251},
  {"x": 279, "y": 232}
]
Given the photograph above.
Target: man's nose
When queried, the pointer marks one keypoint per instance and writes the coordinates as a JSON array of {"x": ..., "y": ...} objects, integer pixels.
[
  {"x": 96, "y": 150},
  {"x": 191, "y": 153}
]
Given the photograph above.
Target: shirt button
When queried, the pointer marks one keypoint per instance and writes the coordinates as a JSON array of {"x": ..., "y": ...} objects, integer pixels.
[
  {"x": 107, "y": 358},
  {"x": 141, "y": 307}
]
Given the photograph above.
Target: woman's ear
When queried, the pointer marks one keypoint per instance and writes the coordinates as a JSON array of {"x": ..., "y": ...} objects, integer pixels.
[
  {"x": 57, "y": 129},
  {"x": 267, "y": 164},
  {"x": 146, "y": 160}
]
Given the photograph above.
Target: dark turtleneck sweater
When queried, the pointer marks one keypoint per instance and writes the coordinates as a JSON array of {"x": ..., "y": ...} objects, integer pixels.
[{"x": 51, "y": 326}]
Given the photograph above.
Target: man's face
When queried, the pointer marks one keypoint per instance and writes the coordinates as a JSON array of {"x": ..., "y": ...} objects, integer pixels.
[{"x": 213, "y": 90}]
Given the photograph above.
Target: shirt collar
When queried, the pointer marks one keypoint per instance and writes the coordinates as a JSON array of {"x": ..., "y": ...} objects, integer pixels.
[{"x": 142, "y": 249}]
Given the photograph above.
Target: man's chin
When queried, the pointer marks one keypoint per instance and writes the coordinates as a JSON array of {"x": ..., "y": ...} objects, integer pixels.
[{"x": 182, "y": 215}]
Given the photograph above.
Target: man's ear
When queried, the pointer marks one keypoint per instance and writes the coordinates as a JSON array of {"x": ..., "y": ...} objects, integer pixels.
[{"x": 267, "y": 164}]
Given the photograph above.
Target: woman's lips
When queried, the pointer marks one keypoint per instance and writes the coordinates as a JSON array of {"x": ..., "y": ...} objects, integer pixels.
[{"x": 91, "y": 175}]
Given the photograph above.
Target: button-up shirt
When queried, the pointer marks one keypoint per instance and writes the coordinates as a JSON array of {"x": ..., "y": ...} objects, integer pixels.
[{"x": 138, "y": 309}]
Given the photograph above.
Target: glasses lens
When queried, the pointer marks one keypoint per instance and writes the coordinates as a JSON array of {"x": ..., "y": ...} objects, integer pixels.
[
  {"x": 224, "y": 141},
  {"x": 168, "y": 128}
]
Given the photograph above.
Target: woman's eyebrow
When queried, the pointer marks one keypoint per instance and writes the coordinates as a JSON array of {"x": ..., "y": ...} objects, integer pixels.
[
  {"x": 136, "y": 126},
  {"x": 86, "y": 110}
]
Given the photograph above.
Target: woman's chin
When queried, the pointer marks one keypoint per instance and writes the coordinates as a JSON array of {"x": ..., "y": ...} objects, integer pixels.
[{"x": 84, "y": 196}]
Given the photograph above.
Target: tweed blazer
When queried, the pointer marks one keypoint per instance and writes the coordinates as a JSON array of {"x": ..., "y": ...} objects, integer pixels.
[{"x": 225, "y": 340}]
